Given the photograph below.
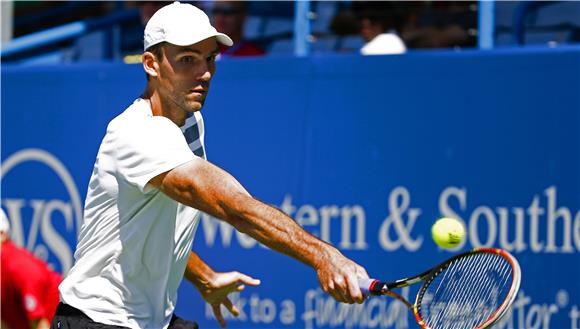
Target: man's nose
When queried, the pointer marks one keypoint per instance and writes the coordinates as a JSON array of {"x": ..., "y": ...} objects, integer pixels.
[{"x": 206, "y": 75}]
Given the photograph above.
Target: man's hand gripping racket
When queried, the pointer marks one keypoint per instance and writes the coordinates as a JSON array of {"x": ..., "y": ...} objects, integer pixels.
[{"x": 470, "y": 290}]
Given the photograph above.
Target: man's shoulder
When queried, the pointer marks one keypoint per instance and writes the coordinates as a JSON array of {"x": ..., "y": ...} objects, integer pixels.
[
  {"x": 138, "y": 125},
  {"x": 135, "y": 112},
  {"x": 139, "y": 108}
]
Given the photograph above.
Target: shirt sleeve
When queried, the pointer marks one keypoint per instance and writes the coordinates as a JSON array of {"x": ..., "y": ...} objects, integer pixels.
[{"x": 148, "y": 148}]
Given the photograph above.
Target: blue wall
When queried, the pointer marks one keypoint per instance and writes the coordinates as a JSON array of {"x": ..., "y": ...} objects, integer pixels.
[{"x": 365, "y": 152}]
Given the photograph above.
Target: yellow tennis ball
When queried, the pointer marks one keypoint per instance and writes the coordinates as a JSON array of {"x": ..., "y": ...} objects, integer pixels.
[{"x": 448, "y": 232}]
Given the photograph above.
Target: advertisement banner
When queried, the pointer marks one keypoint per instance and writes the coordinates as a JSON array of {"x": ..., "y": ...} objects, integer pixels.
[{"x": 363, "y": 152}]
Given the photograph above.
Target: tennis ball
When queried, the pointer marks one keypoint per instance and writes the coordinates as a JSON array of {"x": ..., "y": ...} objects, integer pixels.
[{"x": 448, "y": 232}]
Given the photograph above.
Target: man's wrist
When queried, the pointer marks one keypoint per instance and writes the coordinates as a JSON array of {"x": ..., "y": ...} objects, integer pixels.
[
  {"x": 324, "y": 254},
  {"x": 199, "y": 273}
]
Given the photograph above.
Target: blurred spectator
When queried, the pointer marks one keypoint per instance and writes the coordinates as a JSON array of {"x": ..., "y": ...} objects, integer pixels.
[
  {"x": 379, "y": 21},
  {"x": 420, "y": 24},
  {"x": 440, "y": 24},
  {"x": 29, "y": 288},
  {"x": 229, "y": 17}
]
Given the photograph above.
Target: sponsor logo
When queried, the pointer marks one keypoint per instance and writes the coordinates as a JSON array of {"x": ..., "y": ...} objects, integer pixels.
[{"x": 42, "y": 203}]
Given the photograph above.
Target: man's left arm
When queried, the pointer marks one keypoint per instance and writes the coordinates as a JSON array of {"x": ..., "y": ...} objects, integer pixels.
[{"x": 215, "y": 287}]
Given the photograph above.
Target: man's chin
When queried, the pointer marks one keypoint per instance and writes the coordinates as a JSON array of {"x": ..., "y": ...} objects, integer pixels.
[{"x": 194, "y": 106}]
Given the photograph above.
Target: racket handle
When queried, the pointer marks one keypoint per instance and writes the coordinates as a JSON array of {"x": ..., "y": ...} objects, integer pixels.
[{"x": 366, "y": 286}]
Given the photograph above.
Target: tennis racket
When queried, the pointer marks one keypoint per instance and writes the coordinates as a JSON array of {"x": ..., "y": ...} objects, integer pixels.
[{"x": 470, "y": 290}]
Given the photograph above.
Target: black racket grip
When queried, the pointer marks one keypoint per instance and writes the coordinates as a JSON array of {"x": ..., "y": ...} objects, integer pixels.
[{"x": 370, "y": 287}]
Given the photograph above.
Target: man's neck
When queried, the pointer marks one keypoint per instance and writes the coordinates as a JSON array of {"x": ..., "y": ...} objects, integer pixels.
[{"x": 160, "y": 107}]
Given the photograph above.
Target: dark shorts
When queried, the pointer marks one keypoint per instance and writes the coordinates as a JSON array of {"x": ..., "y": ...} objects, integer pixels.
[{"x": 68, "y": 317}]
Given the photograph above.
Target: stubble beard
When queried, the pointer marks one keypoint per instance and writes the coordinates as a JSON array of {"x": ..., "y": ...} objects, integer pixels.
[{"x": 188, "y": 106}]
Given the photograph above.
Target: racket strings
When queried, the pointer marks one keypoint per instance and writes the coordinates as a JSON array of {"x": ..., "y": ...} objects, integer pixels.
[
  {"x": 486, "y": 287},
  {"x": 450, "y": 291},
  {"x": 490, "y": 300},
  {"x": 466, "y": 292},
  {"x": 466, "y": 317},
  {"x": 487, "y": 296},
  {"x": 454, "y": 285}
]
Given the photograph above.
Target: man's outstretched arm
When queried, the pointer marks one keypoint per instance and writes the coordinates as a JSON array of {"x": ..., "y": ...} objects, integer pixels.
[{"x": 204, "y": 186}]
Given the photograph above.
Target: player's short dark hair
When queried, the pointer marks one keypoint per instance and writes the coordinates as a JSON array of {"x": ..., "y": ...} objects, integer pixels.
[{"x": 156, "y": 50}]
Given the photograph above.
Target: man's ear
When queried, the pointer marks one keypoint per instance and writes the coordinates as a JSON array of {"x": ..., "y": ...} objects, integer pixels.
[{"x": 150, "y": 64}]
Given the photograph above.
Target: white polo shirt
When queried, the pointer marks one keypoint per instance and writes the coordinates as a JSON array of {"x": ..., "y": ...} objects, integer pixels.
[{"x": 134, "y": 243}]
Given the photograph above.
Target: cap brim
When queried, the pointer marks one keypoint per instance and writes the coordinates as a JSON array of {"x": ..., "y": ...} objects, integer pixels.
[{"x": 224, "y": 39}]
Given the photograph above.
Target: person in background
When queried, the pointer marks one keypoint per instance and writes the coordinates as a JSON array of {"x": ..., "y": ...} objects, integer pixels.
[
  {"x": 229, "y": 17},
  {"x": 379, "y": 21},
  {"x": 439, "y": 24},
  {"x": 29, "y": 287}
]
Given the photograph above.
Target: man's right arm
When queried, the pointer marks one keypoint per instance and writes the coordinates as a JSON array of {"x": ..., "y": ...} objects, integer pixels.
[{"x": 206, "y": 187}]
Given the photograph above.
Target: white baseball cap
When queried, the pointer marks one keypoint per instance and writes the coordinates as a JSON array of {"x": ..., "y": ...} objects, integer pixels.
[{"x": 181, "y": 24}]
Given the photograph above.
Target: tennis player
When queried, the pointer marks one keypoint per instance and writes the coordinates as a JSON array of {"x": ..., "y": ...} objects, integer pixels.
[{"x": 148, "y": 185}]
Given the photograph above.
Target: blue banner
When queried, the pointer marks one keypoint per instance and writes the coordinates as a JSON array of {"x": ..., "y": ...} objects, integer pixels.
[{"x": 363, "y": 152}]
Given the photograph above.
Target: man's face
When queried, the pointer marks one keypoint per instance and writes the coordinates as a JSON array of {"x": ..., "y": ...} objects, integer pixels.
[{"x": 185, "y": 74}]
